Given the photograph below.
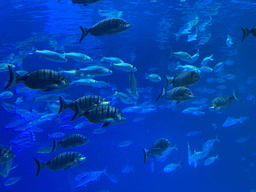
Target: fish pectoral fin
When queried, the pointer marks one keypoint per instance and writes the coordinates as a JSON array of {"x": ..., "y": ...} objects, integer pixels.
[
  {"x": 105, "y": 124},
  {"x": 66, "y": 168}
]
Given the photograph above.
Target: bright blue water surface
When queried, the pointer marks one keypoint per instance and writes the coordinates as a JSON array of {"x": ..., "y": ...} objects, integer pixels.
[{"x": 52, "y": 25}]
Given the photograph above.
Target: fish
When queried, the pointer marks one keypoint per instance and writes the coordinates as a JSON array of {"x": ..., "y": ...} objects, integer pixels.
[
  {"x": 6, "y": 95},
  {"x": 153, "y": 77},
  {"x": 218, "y": 67},
  {"x": 125, "y": 144},
  {"x": 6, "y": 154},
  {"x": 63, "y": 161},
  {"x": 6, "y": 168},
  {"x": 84, "y": 2},
  {"x": 11, "y": 181},
  {"x": 94, "y": 71},
  {"x": 99, "y": 131},
  {"x": 229, "y": 42},
  {"x": 206, "y": 59},
  {"x": 107, "y": 26},
  {"x": 208, "y": 144},
  {"x": 219, "y": 103},
  {"x": 55, "y": 135},
  {"x": 84, "y": 104},
  {"x": 127, "y": 169},
  {"x": 133, "y": 86},
  {"x": 233, "y": 121},
  {"x": 206, "y": 69},
  {"x": 104, "y": 114},
  {"x": 44, "y": 150},
  {"x": 181, "y": 55},
  {"x": 44, "y": 79},
  {"x": 71, "y": 141},
  {"x": 183, "y": 79},
  {"x": 49, "y": 55},
  {"x": 171, "y": 167},
  {"x": 210, "y": 160},
  {"x": 124, "y": 67},
  {"x": 112, "y": 60},
  {"x": 124, "y": 97},
  {"x": 79, "y": 57},
  {"x": 246, "y": 32},
  {"x": 187, "y": 68},
  {"x": 177, "y": 94},
  {"x": 193, "y": 133},
  {"x": 158, "y": 149}
]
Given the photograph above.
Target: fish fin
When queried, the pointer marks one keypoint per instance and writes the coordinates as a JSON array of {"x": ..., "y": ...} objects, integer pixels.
[
  {"x": 13, "y": 77},
  {"x": 66, "y": 168},
  {"x": 77, "y": 113},
  {"x": 63, "y": 105},
  {"x": 234, "y": 96},
  {"x": 54, "y": 145},
  {"x": 169, "y": 81},
  {"x": 105, "y": 124},
  {"x": 161, "y": 95},
  {"x": 145, "y": 153},
  {"x": 84, "y": 33},
  {"x": 246, "y": 32},
  {"x": 40, "y": 166}
]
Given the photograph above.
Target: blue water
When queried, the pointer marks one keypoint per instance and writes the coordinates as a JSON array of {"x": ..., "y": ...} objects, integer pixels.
[{"x": 52, "y": 25}]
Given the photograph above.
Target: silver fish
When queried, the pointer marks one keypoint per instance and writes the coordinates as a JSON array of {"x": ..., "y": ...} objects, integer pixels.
[
  {"x": 62, "y": 161},
  {"x": 44, "y": 79},
  {"x": 219, "y": 103},
  {"x": 107, "y": 26},
  {"x": 158, "y": 149}
]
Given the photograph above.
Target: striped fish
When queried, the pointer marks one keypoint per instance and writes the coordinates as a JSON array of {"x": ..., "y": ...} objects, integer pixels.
[
  {"x": 219, "y": 103},
  {"x": 84, "y": 103},
  {"x": 177, "y": 94},
  {"x": 62, "y": 161},
  {"x": 104, "y": 114},
  {"x": 107, "y": 26},
  {"x": 71, "y": 141},
  {"x": 44, "y": 79}
]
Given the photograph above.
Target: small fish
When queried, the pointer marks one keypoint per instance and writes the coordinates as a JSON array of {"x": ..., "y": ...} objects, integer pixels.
[
  {"x": 206, "y": 69},
  {"x": 218, "y": 67},
  {"x": 56, "y": 135},
  {"x": 187, "y": 68},
  {"x": 79, "y": 57},
  {"x": 177, "y": 94},
  {"x": 208, "y": 144},
  {"x": 124, "y": 67},
  {"x": 6, "y": 154},
  {"x": 84, "y": 2},
  {"x": 183, "y": 79},
  {"x": 94, "y": 70},
  {"x": 246, "y": 32},
  {"x": 125, "y": 144},
  {"x": 127, "y": 169},
  {"x": 206, "y": 59},
  {"x": 219, "y": 103},
  {"x": 210, "y": 160},
  {"x": 6, "y": 95},
  {"x": 233, "y": 121},
  {"x": 71, "y": 141},
  {"x": 111, "y": 60},
  {"x": 11, "y": 181},
  {"x": 46, "y": 80},
  {"x": 49, "y": 55},
  {"x": 6, "y": 168},
  {"x": 193, "y": 133},
  {"x": 107, "y": 26},
  {"x": 158, "y": 149},
  {"x": 229, "y": 42},
  {"x": 99, "y": 131},
  {"x": 63, "y": 161},
  {"x": 153, "y": 77},
  {"x": 171, "y": 167},
  {"x": 181, "y": 55}
]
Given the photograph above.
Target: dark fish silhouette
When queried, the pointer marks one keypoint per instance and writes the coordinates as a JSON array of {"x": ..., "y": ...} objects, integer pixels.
[
  {"x": 107, "y": 26},
  {"x": 44, "y": 79},
  {"x": 6, "y": 154},
  {"x": 247, "y": 32}
]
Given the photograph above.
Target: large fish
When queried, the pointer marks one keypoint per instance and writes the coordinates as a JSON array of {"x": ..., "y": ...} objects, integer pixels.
[
  {"x": 6, "y": 154},
  {"x": 71, "y": 141},
  {"x": 177, "y": 94},
  {"x": 183, "y": 79},
  {"x": 219, "y": 103},
  {"x": 44, "y": 79},
  {"x": 84, "y": 2},
  {"x": 104, "y": 114},
  {"x": 246, "y": 32},
  {"x": 107, "y": 26},
  {"x": 62, "y": 161},
  {"x": 159, "y": 148}
]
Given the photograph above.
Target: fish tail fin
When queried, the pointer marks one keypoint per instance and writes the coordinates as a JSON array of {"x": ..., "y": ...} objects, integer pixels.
[
  {"x": 211, "y": 57},
  {"x": 169, "y": 81},
  {"x": 77, "y": 113},
  {"x": 84, "y": 33},
  {"x": 54, "y": 145},
  {"x": 63, "y": 105},
  {"x": 234, "y": 96},
  {"x": 217, "y": 138},
  {"x": 145, "y": 153},
  {"x": 179, "y": 165},
  {"x": 246, "y": 32},
  {"x": 40, "y": 166},
  {"x": 13, "y": 77},
  {"x": 174, "y": 147},
  {"x": 33, "y": 50},
  {"x": 161, "y": 95}
]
